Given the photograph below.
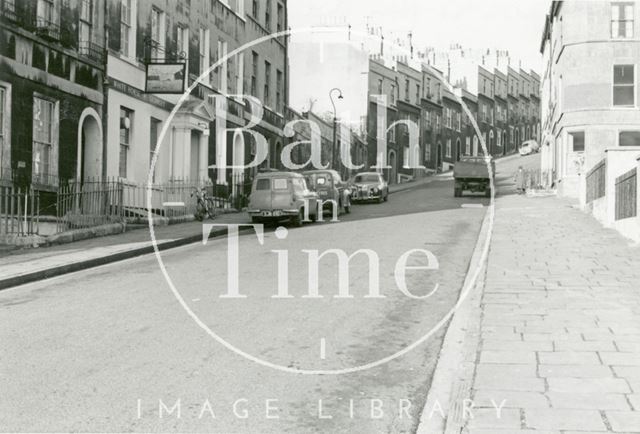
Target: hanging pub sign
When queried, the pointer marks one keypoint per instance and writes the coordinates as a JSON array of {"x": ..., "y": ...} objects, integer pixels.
[{"x": 165, "y": 77}]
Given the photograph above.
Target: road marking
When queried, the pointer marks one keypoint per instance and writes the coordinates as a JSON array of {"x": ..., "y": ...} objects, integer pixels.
[
  {"x": 195, "y": 299},
  {"x": 323, "y": 349},
  {"x": 472, "y": 205}
]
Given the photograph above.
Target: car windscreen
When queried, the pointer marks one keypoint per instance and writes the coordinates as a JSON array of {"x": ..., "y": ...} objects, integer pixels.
[
  {"x": 280, "y": 184},
  {"x": 263, "y": 184},
  {"x": 367, "y": 178}
]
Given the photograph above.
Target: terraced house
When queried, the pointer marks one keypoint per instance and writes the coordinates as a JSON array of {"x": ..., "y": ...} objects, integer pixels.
[
  {"x": 591, "y": 121},
  {"x": 196, "y": 34},
  {"x": 52, "y": 96}
]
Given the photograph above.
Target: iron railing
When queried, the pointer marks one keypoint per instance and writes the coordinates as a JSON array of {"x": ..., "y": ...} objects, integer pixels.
[
  {"x": 47, "y": 29},
  {"x": 96, "y": 202},
  {"x": 92, "y": 51},
  {"x": 596, "y": 181},
  {"x": 627, "y": 195},
  {"x": 8, "y": 10},
  {"x": 19, "y": 211}
]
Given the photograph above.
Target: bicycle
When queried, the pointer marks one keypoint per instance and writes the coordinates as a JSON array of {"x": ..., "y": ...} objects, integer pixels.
[{"x": 204, "y": 205}]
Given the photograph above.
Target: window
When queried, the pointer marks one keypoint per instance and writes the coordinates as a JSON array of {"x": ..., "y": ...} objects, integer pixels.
[
  {"x": 458, "y": 121},
  {"x": 255, "y": 8},
  {"x": 467, "y": 147},
  {"x": 406, "y": 90},
  {"x": 47, "y": 13},
  {"x": 182, "y": 42},
  {"x": 498, "y": 137},
  {"x": 223, "y": 69},
  {"x": 629, "y": 138},
  {"x": 577, "y": 139},
  {"x": 280, "y": 184},
  {"x": 44, "y": 142},
  {"x": 427, "y": 152},
  {"x": 448, "y": 149},
  {"x": 267, "y": 16},
  {"x": 154, "y": 129},
  {"x": 126, "y": 122},
  {"x": 437, "y": 122},
  {"x": 623, "y": 85},
  {"x": 393, "y": 94},
  {"x": 85, "y": 25},
  {"x": 254, "y": 73},
  {"x": 622, "y": 20},
  {"x": 279, "y": 102},
  {"x": 427, "y": 119},
  {"x": 240, "y": 74},
  {"x": 417, "y": 94},
  {"x": 280, "y": 18},
  {"x": 203, "y": 54},
  {"x": 157, "y": 34},
  {"x": 267, "y": 80},
  {"x": 125, "y": 27},
  {"x": 428, "y": 87},
  {"x": 263, "y": 184},
  {"x": 379, "y": 86}
]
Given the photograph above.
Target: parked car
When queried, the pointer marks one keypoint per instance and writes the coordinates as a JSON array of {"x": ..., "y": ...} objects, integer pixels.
[
  {"x": 281, "y": 195},
  {"x": 330, "y": 187},
  {"x": 472, "y": 174},
  {"x": 369, "y": 186},
  {"x": 529, "y": 147}
]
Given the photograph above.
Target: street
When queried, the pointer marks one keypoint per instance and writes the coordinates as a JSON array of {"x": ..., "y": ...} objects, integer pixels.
[{"x": 108, "y": 347}]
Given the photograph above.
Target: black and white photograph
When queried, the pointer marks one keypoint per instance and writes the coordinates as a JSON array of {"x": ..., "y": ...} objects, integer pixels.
[{"x": 320, "y": 216}]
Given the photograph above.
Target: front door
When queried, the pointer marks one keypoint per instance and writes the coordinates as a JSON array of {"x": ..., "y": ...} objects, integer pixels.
[{"x": 194, "y": 164}]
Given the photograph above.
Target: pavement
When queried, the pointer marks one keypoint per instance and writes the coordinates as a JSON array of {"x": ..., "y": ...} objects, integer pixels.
[{"x": 550, "y": 340}]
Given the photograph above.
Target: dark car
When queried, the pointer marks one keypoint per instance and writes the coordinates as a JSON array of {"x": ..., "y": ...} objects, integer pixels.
[
  {"x": 330, "y": 187},
  {"x": 369, "y": 186}
]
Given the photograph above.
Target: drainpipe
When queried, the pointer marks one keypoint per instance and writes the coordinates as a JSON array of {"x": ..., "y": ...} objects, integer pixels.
[{"x": 105, "y": 92}]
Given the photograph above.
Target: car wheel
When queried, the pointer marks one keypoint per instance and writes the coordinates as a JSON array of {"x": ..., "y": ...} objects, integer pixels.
[
  {"x": 386, "y": 196},
  {"x": 256, "y": 220}
]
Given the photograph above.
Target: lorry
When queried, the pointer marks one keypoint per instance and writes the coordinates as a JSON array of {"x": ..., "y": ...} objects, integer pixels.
[{"x": 471, "y": 173}]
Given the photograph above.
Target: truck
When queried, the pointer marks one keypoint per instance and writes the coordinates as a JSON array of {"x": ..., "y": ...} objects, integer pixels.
[{"x": 471, "y": 173}]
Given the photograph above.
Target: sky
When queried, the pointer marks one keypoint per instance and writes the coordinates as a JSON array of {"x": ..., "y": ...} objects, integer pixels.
[{"x": 513, "y": 25}]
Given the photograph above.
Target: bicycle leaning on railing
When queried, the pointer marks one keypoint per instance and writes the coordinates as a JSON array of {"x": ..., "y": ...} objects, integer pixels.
[{"x": 204, "y": 205}]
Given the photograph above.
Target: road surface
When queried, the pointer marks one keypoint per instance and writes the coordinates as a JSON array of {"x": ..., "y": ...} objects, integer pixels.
[{"x": 112, "y": 349}]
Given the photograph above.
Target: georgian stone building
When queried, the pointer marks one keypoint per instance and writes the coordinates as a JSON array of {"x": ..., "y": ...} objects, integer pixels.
[{"x": 51, "y": 93}]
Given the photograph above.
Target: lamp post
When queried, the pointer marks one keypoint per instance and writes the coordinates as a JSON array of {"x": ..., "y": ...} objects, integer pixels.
[{"x": 335, "y": 121}]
